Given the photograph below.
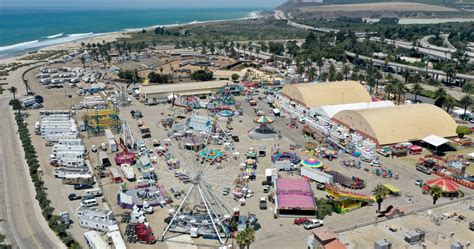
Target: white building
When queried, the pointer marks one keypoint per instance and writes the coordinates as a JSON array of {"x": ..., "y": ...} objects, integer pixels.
[{"x": 97, "y": 219}]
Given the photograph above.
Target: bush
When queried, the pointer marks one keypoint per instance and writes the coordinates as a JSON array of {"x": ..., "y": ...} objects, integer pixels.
[
  {"x": 325, "y": 208},
  {"x": 158, "y": 78},
  {"x": 463, "y": 130},
  {"x": 202, "y": 75}
]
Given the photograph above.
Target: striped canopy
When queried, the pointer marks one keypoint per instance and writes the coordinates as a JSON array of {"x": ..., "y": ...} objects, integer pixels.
[
  {"x": 312, "y": 163},
  {"x": 263, "y": 119},
  {"x": 445, "y": 184}
]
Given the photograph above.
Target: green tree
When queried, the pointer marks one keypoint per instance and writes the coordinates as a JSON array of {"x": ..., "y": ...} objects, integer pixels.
[
  {"x": 311, "y": 73},
  {"x": 202, "y": 75},
  {"x": 436, "y": 192},
  {"x": 416, "y": 90},
  {"x": 462, "y": 130},
  {"x": 235, "y": 77},
  {"x": 380, "y": 192},
  {"x": 466, "y": 102},
  {"x": 332, "y": 73},
  {"x": 325, "y": 208},
  {"x": 245, "y": 238},
  {"x": 13, "y": 90},
  {"x": 468, "y": 88}
]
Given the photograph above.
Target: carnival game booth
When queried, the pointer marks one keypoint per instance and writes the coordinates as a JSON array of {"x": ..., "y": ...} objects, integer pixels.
[
  {"x": 346, "y": 201},
  {"x": 294, "y": 197},
  {"x": 125, "y": 157},
  {"x": 249, "y": 166}
]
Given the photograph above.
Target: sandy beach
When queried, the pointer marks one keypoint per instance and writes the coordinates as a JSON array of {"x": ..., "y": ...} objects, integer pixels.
[{"x": 112, "y": 36}]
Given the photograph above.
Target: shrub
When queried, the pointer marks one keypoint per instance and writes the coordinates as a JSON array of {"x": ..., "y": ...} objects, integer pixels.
[{"x": 463, "y": 130}]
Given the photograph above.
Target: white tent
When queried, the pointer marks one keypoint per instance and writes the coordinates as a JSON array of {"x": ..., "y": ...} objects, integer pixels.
[
  {"x": 331, "y": 110},
  {"x": 435, "y": 140}
]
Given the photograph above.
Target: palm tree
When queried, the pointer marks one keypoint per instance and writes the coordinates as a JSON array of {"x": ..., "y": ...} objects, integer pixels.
[
  {"x": 380, "y": 192},
  {"x": 13, "y": 91},
  {"x": 389, "y": 89},
  {"x": 161, "y": 70},
  {"x": 311, "y": 73},
  {"x": 319, "y": 63},
  {"x": 245, "y": 238},
  {"x": 416, "y": 90},
  {"x": 400, "y": 89},
  {"x": 436, "y": 192},
  {"x": 83, "y": 61},
  {"x": 465, "y": 102},
  {"x": 448, "y": 102},
  {"x": 345, "y": 70}
]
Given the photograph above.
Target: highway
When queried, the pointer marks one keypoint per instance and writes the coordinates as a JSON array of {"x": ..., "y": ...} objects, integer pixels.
[
  {"x": 424, "y": 48},
  {"x": 435, "y": 53}
]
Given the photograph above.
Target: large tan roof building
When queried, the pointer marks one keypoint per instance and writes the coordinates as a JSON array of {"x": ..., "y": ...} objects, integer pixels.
[
  {"x": 332, "y": 93},
  {"x": 183, "y": 89},
  {"x": 391, "y": 125}
]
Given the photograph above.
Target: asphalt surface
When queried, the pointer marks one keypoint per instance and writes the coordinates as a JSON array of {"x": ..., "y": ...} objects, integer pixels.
[{"x": 21, "y": 216}]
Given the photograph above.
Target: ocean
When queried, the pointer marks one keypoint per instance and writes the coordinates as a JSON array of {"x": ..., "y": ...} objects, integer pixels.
[{"x": 24, "y": 30}]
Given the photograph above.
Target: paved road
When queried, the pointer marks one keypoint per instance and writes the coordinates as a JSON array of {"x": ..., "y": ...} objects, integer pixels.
[
  {"x": 21, "y": 216},
  {"x": 22, "y": 211}
]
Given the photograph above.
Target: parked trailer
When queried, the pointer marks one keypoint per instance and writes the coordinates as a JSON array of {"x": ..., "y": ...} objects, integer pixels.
[
  {"x": 111, "y": 140},
  {"x": 72, "y": 162},
  {"x": 71, "y": 142},
  {"x": 283, "y": 165},
  {"x": 75, "y": 179},
  {"x": 62, "y": 172},
  {"x": 92, "y": 193},
  {"x": 316, "y": 175},
  {"x": 115, "y": 174},
  {"x": 104, "y": 159},
  {"x": 58, "y": 147},
  {"x": 117, "y": 240},
  {"x": 70, "y": 154},
  {"x": 59, "y": 136},
  {"x": 94, "y": 241}
]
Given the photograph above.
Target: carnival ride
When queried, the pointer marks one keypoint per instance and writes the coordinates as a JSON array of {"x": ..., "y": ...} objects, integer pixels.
[
  {"x": 345, "y": 181},
  {"x": 278, "y": 155},
  {"x": 202, "y": 211},
  {"x": 96, "y": 121},
  {"x": 345, "y": 201}
]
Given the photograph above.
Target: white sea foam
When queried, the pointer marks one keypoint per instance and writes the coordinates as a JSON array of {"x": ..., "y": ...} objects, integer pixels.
[
  {"x": 55, "y": 36},
  {"x": 18, "y": 45}
]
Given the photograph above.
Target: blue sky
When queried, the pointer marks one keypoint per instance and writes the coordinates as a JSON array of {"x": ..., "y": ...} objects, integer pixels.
[{"x": 141, "y": 3}]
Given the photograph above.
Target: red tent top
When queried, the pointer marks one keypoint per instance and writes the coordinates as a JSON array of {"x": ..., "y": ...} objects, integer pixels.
[
  {"x": 445, "y": 184},
  {"x": 415, "y": 147}
]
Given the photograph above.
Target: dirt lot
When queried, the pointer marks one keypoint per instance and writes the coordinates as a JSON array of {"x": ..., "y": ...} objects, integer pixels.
[
  {"x": 378, "y": 7},
  {"x": 274, "y": 233}
]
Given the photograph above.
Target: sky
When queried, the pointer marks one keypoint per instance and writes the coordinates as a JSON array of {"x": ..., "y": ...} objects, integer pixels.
[{"x": 141, "y": 3}]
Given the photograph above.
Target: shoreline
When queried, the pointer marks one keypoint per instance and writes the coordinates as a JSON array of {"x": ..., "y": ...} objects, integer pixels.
[{"x": 107, "y": 37}]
